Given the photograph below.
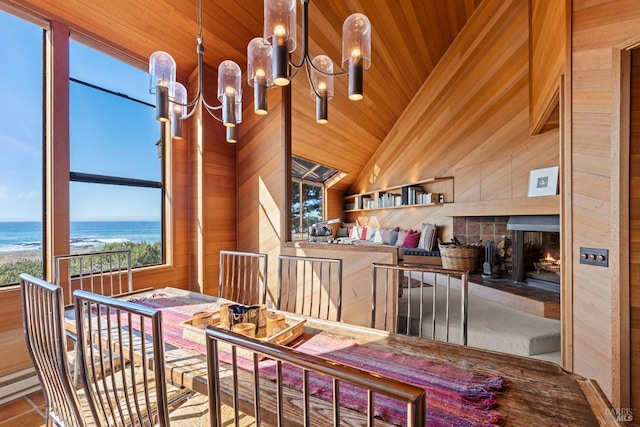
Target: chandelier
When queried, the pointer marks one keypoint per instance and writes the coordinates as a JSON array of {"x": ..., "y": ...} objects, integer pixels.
[
  {"x": 171, "y": 96},
  {"x": 268, "y": 65}
]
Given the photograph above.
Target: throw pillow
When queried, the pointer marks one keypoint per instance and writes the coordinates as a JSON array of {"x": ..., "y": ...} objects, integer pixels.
[
  {"x": 363, "y": 233},
  {"x": 393, "y": 237},
  {"x": 377, "y": 238},
  {"x": 355, "y": 232},
  {"x": 371, "y": 233},
  {"x": 401, "y": 236},
  {"x": 342, "y": 232},
  {"x": 411, "y": 239},
  {"x": 428, "y": 237},
  {"x": 386, "y": 236}
]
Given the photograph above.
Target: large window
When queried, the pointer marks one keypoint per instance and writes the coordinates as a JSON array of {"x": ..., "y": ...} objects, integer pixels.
[
  {"x": 116, "y": 189},
  {"x": 307, "y": 195},
  {"x": 21, "y": 149}
]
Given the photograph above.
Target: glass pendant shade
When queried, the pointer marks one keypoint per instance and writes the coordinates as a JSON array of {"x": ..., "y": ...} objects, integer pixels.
[
  {"x": 356, "y": 52},
  {"x": 229, "y": 90},
  {"x": 280, "y": 31},
  {"x": 259, "y": 72},
  {"x": 322, "y": 64},
  {"x": 162, "y": 80},
  {"x": 322, "y": 86},
  {"x": 178, "y": 112}
]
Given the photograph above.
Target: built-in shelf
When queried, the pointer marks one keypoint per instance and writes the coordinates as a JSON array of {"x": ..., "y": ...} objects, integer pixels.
[{"x": 428, "y": 192}]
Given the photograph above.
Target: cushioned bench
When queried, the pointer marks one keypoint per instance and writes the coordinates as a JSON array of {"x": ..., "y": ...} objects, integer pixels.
[{"x": 420, "y": 256}]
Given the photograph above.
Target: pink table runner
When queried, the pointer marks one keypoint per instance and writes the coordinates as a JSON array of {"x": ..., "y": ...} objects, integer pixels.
[{"x": 455, "y": 397}]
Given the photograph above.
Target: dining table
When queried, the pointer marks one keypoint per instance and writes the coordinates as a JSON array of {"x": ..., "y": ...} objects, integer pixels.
[{"x": 529, "y": 391}]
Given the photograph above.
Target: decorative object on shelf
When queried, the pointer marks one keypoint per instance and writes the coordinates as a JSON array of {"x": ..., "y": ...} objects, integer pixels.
[
  {"x": 269, "y": 57},
  {"x": 543, "y": 182},
  {"x": 171, "y": 97}
]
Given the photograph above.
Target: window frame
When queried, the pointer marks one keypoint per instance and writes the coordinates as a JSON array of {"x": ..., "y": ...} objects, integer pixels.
[{"x": 89, "y": 178}]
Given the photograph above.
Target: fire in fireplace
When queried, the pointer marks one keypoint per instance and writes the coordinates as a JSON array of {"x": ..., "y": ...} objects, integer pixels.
[{"x": 536, "y": 250}]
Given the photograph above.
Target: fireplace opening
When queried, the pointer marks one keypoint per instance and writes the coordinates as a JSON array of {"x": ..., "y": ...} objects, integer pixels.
[{"x": 536, "y": 250}]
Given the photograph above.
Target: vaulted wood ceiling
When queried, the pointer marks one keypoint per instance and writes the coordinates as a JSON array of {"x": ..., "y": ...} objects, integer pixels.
[{"x": 409, "y": 38}]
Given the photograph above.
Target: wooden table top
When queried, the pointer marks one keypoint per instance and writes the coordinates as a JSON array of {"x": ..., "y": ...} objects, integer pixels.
[{"x": 535, "y": 393}]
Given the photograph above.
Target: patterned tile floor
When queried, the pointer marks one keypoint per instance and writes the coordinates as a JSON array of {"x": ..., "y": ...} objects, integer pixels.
[{"x": 28, "y": 411}]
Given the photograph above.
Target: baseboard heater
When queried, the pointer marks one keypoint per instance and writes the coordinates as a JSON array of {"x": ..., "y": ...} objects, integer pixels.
[{"x": 19, "y": 384}]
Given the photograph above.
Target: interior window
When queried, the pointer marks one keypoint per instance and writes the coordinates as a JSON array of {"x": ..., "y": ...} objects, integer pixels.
[
  {"x": 116, "y": 190},
  {"x": 21, "y": 145},
  {"x": 307, "y": 195}
]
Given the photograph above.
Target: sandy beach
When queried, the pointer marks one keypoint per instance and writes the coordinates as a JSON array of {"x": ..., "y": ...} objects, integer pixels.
[{"x": 11, "y": 257}]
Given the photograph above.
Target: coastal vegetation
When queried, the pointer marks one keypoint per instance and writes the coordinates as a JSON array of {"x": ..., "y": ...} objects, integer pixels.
[{"x": 142, "y": 254}]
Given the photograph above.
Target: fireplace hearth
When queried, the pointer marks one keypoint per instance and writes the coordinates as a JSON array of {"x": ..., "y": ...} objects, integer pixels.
[{"x": 536, "y": 250}]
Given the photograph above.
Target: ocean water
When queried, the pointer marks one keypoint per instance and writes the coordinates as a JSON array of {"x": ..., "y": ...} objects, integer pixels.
[{"x": 27, "y": 236}]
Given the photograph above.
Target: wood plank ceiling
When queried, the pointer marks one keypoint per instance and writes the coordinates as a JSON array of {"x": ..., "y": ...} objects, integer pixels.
[{"x": 409, "y": 38}]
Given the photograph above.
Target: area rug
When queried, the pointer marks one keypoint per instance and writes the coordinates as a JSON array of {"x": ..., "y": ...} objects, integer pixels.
[{"x": 454, "y": 397}]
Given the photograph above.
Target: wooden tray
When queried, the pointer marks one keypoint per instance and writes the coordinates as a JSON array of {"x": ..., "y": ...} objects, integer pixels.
[{"x": 197, "y": 334}]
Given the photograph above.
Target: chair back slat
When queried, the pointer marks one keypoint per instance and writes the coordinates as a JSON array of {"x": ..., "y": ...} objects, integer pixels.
[
  {"x": 104, "y": 273},
  {"x": 243, "y": 277},
  {"x": 413, "y": 397},
  {"x": 420, "y": 301},
  {"x": 111, "y": 330},
  {"x": 310, "y": 286},
  {"x": 43, "y": 322}
]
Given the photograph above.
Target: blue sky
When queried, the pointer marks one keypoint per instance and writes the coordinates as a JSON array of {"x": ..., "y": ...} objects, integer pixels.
[{"x": 109, "y": 135}]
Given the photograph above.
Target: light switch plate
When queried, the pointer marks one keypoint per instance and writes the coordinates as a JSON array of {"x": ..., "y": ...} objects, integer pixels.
[{"x": 593, "y": 256}]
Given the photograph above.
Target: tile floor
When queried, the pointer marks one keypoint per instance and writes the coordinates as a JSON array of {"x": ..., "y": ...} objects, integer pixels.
[{"x": 28, "y": 411}]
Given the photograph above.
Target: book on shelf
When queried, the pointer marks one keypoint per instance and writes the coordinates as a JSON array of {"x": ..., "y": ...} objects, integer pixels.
[{"x": 411, "y": 193}]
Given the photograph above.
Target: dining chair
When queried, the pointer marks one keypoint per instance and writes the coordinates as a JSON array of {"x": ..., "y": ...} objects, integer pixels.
[
  {"x": 243, "y": 277},
  {"x": 428, "y": 302},
  {"x": 310, "y": 286},
  {"x": 136, "y": 394},
  {"x": 105, "y": 273},
  {"x": 43, "y": 322},
  {"x": 284, "y": 393}
]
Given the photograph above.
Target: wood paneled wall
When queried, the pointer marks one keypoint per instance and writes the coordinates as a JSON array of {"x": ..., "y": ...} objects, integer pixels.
[
  {"x": 470, "y": 120},
  {"x": 599, "y": 29},
  {"x": 261, "y": 184},
  {"x": 213, "y": 195},
  {"x": 634, "y": 229},
  {"x": 548, "y": 53}
]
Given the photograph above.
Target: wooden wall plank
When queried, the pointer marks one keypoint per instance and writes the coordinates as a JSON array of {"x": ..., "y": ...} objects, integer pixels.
[
  {"x": 548, "y": 54},
  {"x": 597, "y": 29}
]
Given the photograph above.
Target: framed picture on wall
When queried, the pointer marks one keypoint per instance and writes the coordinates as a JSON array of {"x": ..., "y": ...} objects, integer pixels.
[{"x": 543, "y": 182}]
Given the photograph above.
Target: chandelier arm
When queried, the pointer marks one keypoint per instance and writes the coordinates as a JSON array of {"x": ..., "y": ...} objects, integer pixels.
[
  {"x": 209, "y": 106},
  {"x": 324, "y": 73},
  {"x": 211, "y": 112},
  {"x": 189, "y": 113},
  {"x": 304, "y": 56},
  {"x": 293, "y": 74},
  {"x": 313, "y": 88}
]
